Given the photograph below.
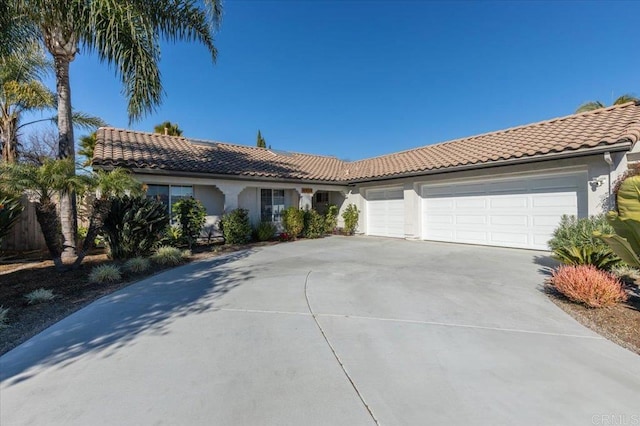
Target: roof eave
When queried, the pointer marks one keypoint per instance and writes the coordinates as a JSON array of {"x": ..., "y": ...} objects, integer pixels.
[
  {"x": 183, "y": 173},
  {"x": 619, "y": 146}
]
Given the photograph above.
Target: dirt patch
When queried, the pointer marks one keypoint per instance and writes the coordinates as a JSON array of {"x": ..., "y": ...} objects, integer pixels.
[
  {"x": 72, "y": 289},
  {"x": 620, "y": 323}
]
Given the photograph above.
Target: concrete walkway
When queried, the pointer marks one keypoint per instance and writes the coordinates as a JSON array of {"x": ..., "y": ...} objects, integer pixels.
[{"x": 338, "y": 331}]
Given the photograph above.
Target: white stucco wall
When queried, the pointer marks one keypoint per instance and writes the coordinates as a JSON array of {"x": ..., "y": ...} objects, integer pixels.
[{"x": 592, "y": 199}]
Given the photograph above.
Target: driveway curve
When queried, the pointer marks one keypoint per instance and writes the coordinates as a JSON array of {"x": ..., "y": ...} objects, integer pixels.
[{"x": 337, "y": 331}]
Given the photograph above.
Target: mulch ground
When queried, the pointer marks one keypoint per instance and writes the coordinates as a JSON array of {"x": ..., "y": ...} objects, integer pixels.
[
  {"x": 620, "y": 323},
  {"x": 72, "y": 289}
]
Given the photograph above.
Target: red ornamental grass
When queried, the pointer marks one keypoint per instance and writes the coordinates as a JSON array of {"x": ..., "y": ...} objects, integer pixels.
[{"x": 588, "y": 285}]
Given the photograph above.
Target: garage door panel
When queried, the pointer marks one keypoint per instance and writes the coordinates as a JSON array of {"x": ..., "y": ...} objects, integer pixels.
[
  {"x": 385, "y": 212},
  {"x": 471, "y": 220},
  {"x": 508, "y": 202},
  {"x": 509, "y": 220},
  {"x": 519, "y": 213},
  {"x": 471, "y": 203}
]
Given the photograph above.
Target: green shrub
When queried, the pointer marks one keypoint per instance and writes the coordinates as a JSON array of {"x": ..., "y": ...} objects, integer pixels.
[
  {"x": 40, "y": 295},
  {"x": 134, "y": 225},
  {"x": 137, "y": 265},
  {"x": 105, "y": 274},
  {"x": 190, "y": 216},
  {"x": 350, "y": 216},
  {"x": 236, "y": 227},
  {"x": 4, "y": 317},
  {"x": 293, "y": 221},
  {"x": 10, "y": 209},
  {"x": 331, "y": 219},
  {"x": 573, "y": 242},
  {"x": 314, "y": 224},
  {"x": 167, "y": 256},
  {"x": 172, "y": 236},
  {"x": 265, "y": 231}
]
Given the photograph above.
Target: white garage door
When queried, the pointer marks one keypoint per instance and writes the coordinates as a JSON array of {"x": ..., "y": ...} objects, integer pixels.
[
  {"x": 509, "y": 213},
  {"x": 385, "y": 212}
]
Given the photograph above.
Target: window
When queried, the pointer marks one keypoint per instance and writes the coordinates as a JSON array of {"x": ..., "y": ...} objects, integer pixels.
[
  {"x": 271, "y": 204},
  {"x": 322, "y": 197},
  {"x": 169, "y": 194}
]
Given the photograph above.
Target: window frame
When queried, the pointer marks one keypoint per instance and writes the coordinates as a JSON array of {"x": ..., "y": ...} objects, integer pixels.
[
  {"x": 273, "y": 216},
  {"x": 170, "y": 196}
]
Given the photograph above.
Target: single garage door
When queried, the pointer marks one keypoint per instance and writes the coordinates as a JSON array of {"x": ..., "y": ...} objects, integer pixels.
[
  {"x": 385, "y": 212},
  {"x": 518, "y": 213}
]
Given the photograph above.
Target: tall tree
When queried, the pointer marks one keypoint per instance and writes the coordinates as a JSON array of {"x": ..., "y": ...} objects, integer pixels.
[
  {"x": 21, "y": 91},
  {"x": 125, "y": 34},
  {"x": 260, "y": 142},
  {"x": 168, "y": 128},
  {"x": 594, "y": 105}
]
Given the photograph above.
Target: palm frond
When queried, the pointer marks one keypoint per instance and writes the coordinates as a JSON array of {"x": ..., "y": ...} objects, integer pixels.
[
  {"x": 590, "y": 106},
  {"x": 127, "y": 35},
  {"x": 626, "y": 98}
]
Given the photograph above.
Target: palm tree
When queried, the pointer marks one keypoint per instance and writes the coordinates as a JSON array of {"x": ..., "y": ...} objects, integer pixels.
[
  {"x": 594, "y": 105},
  {"x": 44, "y": 183},
  {"x": 125, "y": 34},
  {"x": 168, "y": 128},
  {"x": 53, "y": 179},
  {"x": 21, "y": 91}
]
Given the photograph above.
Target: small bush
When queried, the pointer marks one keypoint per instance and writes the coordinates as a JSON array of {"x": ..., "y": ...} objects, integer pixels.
[
  {"x": 167, "y": 256},
  {"x": 172, "y": 236},
  {"x": 331, "y": 219},
  {"x": 573, "y": 242},
  {"x": 350, "y": 216},
  {"x": 137, "y": 265},
  {"x": 40, "y": 295},
  {"x": 313, "y": 224},
  {"x": 105, "y": 274},
  {"x": 186, "y": 254},
  {"x": 4, "y": 317},
  {"x": 236, "y": 227},
  {"x": 293, "y": 221},
  {"x": 626, "y": 273},
  {"x": 134, "y": 225},
  {"x": 265, "y": 231},
  {"x": 588, "y": 285},
  {"x": 190, "y": 216}
]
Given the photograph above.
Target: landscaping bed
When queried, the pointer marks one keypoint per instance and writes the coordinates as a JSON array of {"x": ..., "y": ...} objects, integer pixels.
[
  {"x": 72, "y": 289},
  {"x": 619, "y": 323}
]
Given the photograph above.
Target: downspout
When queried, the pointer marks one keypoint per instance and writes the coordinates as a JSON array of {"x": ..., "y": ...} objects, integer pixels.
[{"x": 609, "y": 161}]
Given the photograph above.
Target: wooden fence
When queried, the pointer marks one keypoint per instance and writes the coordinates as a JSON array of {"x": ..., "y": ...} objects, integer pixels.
[{"x": 25, "y": 234}]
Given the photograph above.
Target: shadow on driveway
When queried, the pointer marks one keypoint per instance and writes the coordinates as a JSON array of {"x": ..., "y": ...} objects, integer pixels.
[{"x": 114, "y": 321}]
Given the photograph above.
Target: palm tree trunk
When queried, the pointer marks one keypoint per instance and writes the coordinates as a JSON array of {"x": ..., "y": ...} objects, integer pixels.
[
  {"x": 9, "y": 140},
  {"x": 66, "y": 149},
  {"x": 48, "y": 219},
  {"x": 96, "y": 222}
]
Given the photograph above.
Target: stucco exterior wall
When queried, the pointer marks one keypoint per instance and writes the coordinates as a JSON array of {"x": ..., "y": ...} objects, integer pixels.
[{"x": 593, "y": 196}]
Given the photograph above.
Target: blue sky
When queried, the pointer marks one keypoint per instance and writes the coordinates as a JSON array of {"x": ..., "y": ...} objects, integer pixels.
[{"x": 357, "y": 79}]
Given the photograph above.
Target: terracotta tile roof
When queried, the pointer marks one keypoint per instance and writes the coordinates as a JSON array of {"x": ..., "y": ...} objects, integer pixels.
[
  {"x": 132, "y": 149},
  {"x": 608, "y": 126},
  {"x": 604, "y": 127}
]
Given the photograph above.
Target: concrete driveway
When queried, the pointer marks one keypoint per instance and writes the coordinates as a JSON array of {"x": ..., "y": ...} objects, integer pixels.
[{"x": 338, "y": 331}]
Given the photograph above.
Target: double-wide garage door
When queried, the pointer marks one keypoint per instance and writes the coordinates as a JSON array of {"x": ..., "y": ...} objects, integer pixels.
[
  {"x": 385, "y": 212},
  {"x": 510, "y": 213}
]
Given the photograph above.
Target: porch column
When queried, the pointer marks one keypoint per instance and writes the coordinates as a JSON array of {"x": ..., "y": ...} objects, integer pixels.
[
  {"x": 306, "y": 197},
  {"x": 231, "y": 192}
]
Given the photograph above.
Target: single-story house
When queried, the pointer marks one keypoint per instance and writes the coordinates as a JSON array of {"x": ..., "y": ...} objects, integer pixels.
[{"x": 505, "y": 188}]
